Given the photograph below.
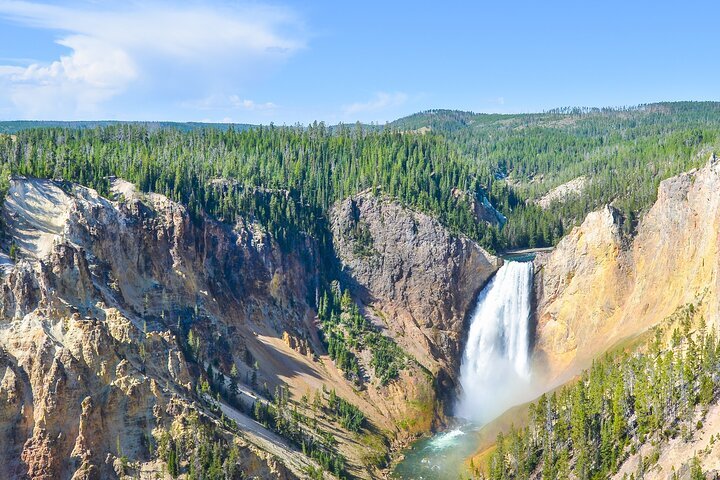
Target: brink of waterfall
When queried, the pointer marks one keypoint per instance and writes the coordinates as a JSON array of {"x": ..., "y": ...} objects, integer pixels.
[{"x": 495, "y": 369}]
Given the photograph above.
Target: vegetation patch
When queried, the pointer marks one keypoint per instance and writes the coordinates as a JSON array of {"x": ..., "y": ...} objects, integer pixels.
[
  {"x": 345, "y": 329},
  {"x": 622, "y": 402}
]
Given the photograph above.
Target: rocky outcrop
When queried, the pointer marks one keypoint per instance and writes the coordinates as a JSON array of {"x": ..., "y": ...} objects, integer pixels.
[
  {"x": 481, "y": 207},
  {"x": 579, "y": 287},
  {"x": 413, "y": 277},
  {"x": 112, "y": 310},
  {"x": 598, "y": 288},
  {"x": 563, "y": 192},
  {"x": 95, "y": 311}
]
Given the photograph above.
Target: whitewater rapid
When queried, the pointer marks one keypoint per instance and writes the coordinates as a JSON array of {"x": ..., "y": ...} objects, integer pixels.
[{"x": 495, "y": 369}]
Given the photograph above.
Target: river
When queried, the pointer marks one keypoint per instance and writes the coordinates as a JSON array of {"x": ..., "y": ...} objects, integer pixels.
[{"x": 494, "y": 375}]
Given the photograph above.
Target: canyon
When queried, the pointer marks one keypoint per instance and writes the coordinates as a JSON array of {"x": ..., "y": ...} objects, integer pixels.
[{"x": 101, "y": 298}]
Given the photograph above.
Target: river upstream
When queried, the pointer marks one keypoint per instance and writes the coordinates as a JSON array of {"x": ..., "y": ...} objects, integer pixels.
[{"x": 494, "y": 375}]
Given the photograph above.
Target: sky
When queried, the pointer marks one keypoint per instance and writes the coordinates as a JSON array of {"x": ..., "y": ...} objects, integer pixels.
[{"x": 336, "y": 61}]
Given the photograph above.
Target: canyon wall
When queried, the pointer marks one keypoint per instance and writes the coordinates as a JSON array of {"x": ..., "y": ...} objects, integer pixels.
[
  {"x": 598, "y": 287},
  {"x": 414, "y": 278},
  {"x": 112, "y": 309}
]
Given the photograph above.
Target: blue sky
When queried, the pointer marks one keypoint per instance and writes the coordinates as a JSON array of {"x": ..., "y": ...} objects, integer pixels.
[{"x": 293, "y": 61}]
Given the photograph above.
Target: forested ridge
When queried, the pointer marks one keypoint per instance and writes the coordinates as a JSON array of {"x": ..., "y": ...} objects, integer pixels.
[
  {"x": 625, "y": 153},
  {"x": 285, "y": 178},
  {"x": 288, "y": 177},
  {"x": 11, "y": 127}
]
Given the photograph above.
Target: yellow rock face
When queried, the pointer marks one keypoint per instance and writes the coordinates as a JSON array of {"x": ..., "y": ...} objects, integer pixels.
[{"x": 598, "y": 287}]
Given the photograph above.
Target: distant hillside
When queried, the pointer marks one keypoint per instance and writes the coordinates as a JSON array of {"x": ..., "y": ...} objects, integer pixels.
[
  {"x": 447, "y": 120},
  {"x": 622, "y": 152},
  {"x": 618, "y": 155}
]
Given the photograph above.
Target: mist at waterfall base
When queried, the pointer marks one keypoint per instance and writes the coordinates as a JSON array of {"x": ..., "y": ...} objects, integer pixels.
[
  {"x": 495, "y": 369},
  {"x": 494, "y": 375}
]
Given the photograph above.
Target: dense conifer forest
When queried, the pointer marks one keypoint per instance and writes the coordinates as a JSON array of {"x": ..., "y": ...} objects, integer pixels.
[
  {"x": 627, "y": 399},
  {"x": 440, "y": 162},
  {"x": 624, "y": 152}
]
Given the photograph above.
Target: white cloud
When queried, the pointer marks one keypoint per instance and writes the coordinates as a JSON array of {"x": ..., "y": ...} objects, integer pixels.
[
  {"x": 246, "y": 104},
  {"x": 93, "y": 73},
  {"x": 155, "y": 47},
  {"x": 227, "y": 102},
  {"x": 381, "y": 101}
]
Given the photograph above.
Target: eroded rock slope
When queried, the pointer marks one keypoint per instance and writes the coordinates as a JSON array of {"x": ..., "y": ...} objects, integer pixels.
[
  {"x": 598, "y": 287},
  {"x": 414, "y": 278},
  {"x": 113, "y": 312}
]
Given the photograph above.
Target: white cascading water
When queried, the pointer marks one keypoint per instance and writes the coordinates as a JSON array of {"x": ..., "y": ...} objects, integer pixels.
[
  {"x": 495, "y": 369},
  {"x": 494, "y": 373}
]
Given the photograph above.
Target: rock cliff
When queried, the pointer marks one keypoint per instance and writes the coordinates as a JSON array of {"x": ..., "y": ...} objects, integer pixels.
[
  {"x": 598, "y": 288},
  {"x": 417, "y": 280},
  {"x": 115, "y": 310},
  {"x": 95, "y": 301}
]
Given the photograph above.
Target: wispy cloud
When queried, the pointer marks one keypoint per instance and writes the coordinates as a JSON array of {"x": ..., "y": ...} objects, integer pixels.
[
  {"x": 246, "y": 104},
  {"x": 227, "y": 102},
  {"x": 151, "y": 47},
  {"x": 379, "y": 102}
]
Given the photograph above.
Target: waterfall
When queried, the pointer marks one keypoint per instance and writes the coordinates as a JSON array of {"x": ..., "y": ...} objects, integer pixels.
[{"x": 495, "y": 369}]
